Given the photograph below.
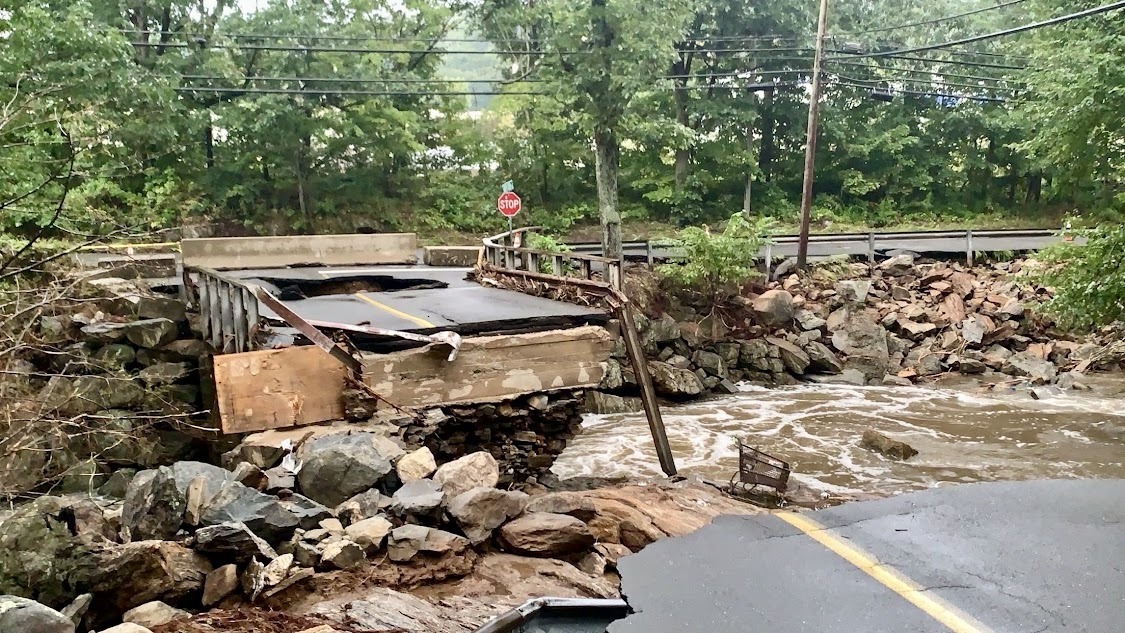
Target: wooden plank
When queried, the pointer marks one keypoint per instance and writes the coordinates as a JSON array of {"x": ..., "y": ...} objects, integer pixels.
[
  {"x": 274, "y": 389},
  {"x": 491, "y": 368}
]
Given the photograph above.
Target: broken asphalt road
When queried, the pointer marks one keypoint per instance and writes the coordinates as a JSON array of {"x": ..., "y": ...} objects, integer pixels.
[{"x": 1003, "y": 557}]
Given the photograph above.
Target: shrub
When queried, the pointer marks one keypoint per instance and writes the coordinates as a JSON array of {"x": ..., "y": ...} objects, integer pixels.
[
  {"x": 719, "y": 264},
  {"x": 1089, "y": 280}
]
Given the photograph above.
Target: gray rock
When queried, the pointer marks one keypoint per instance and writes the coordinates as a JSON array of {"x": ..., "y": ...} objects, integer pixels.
[
  {"x": 262, "y": 513},
  {"x": 118, "y": 483},
  {"x": 20, "y": 615},
  {"x": 408, "y": 541},
  {"x": 599, "y": 402},
  {"x": 188, "y": 349},
  {"x": 1028, "y": 364},
  {"x": 364, "y": 506},
  {"x": 773, "y": 307},
  {"x": 370, "y": 533},
  {"x": 916, "y": 331},
  {"x": 154, "y": 506},
  {"x": 899, "y": 293},
  {"x": 671, "y": 381},
  {"x": 475, "y": 470},
  {"x": 575, "y": 504},
  {"x": 253, "y": 579},
  {"x": 971, "y": 366},
  {"x": 545, "y": 534},
  {"x": 250, "y": 476},
  {"x": 864, "y": 342},
  {"x": 232, "y": 541},
  {"x": 896, "y": 380},
  {"x": 77, "y": 609},
  {"x": 86, "y": 476},
  {"x": 220, "y": 583},
  {"x": 420, "y": 498},
  {"x": 164, "y": 373},
  {"x": 929, "y": 365},
  {"x": 130, "y": 575},
  {"x": 308, "y": 512},
  {"x": 853, "y": 291},
  {"x": 104, "y": 332},
  {"x": 754, "y": 354},
  {"x": 481, "y": 510},
  {"x": 279, "y": 478},
  {"x": 89, "y": 394},
  {"x": 665, "y": 329},
  {"x": 822, "y": 359},
  {"x": 337, "y": 467},
  {"x": 1072, "y": 380},
  {"x": 127, "y": 627},
  {"x": 973, "y": 330},
  {"x": 153, "y": 614},
  {"x": 115, "y": 356},
  {"x": 416, "y": 465},
  {"x": 277, "y": 569},
  {"x": 898, "y": 266},
  {"x": 152, "y": 333},
  {"x": 679, "y": 362},
  {"x": 341, "y": 554},
  {"x": 853, "y": 377},
  {"x": 710, "y": 362},
  {"x": 875, "y": 441},
  {"x": 809, "y": 321},
  {"x": 793, "y": 357}
]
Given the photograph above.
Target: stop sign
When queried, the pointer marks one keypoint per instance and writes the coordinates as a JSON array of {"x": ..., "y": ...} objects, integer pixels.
[{"x": 509, "y": 203}]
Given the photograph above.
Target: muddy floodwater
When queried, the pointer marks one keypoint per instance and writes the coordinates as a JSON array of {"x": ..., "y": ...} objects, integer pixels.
[{"x": 961, "y": 436}]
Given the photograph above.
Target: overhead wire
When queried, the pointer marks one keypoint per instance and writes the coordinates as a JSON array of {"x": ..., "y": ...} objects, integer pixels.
[{"x": 946, "y": 18}]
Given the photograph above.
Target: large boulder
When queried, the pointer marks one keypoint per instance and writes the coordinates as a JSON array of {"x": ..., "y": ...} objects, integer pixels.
[
  {"x": 154, "y": 614},
  {"x": 710, "y": 362},
  {"x": 665, "y": 329},
  {"x": 672, "y": 381},
  {"x": 898, "y": 266},
  {"x": 20, "y": 615},
  {"x": 89, "y": 394},
  {"x": 545, "y": 534},
  {"x": 852, "y": 291},
  {"x": 308, "y": 512},
  {"x": 418, "y": 499},
  {"x": 369, "y": 533},
  {"x": 164, "y": 373},
  {"x": 875, "y": 441},
  {"x": 822, "y": 359},
  {"x": 481, "y": 510},
  {"x": 575, "y": 504},
  {"x": 794, "y": 358},
  {"x": 338, "y": 467},
  {"x": 416, "y": 465},
  {"x": 130, "y": 575},
  {"x": 363, "y": 506},
  {"x": 263, "y": 514},
  {"x": 1027, "y": 364},
  {"x": 39, "y": 556},
  {"x": 864, "y": 342},
  {"x": 154, "y": 506},
  {"x": 233, "y": 541},
  {"x": 152, "y": 333},
  {"x": 475, "y": 470},
  {"x": 408, "y": 541},
  {"x": 773, "y": 307}
]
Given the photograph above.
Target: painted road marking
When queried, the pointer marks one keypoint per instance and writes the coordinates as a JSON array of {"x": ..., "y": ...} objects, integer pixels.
[
  {"x": 420, "y": 322},
  {"x": 387, "y": 269},
  {"x": 938, "y": 609}
]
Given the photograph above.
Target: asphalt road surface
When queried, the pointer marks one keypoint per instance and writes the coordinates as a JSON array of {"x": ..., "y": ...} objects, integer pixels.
[
  {"x": 459, "y": 304},
  {"x": 1005, "y": 557}
]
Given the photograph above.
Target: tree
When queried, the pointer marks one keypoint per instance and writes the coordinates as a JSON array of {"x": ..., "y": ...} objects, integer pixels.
[{"x": 595, "y": 56}]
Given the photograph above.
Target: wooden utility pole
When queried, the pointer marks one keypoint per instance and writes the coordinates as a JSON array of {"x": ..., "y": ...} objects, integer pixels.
[{"x": 810, "y": 144}]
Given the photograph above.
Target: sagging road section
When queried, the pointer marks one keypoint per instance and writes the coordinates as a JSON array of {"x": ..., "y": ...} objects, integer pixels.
[{"x": 1045, "y": 556}]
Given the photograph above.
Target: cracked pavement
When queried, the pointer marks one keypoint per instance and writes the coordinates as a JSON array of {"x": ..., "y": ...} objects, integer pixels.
[{"x": 1009, "y": 557}]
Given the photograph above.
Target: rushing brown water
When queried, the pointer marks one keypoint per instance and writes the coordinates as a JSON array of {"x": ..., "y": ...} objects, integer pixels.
[{"x": 960, "y": 436}]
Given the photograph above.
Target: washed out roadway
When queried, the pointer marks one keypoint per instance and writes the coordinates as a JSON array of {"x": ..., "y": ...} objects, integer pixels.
[
  {"x": 461, "y": 305},
  {"x": 1004, "y": 557}
]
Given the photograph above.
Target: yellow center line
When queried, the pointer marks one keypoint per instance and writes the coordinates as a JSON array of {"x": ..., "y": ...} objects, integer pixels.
[
  {"x": 886, "y": 575},
  {"x": 420, "y": 322}
]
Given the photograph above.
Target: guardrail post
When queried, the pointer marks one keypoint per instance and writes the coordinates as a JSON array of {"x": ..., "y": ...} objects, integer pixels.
[
  {"x": 558, "y": 266},
  {"x": 613, "y": 274},
  {"x": 871, "y": 250},
  {"x": 648, "y": 252},
  {"x": 769, "y": 259},
  {"x": 969, "y": 247},
  {"x": 585, "y": 270},
  {"x": 533, "y": 262}
]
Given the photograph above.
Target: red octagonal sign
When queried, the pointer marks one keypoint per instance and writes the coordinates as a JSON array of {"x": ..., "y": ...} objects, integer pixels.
[{"x": 509, "y": 203}]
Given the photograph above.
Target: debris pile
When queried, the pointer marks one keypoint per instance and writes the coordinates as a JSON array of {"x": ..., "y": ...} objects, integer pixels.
[{"x": 900, "y": 323}]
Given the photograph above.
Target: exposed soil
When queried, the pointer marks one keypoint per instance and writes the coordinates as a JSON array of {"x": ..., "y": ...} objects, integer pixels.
[{"x": 249, "y": 620}]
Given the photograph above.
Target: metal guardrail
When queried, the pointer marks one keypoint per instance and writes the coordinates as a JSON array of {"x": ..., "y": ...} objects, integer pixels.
[
  {"x": 229, "y": 308},
  {"x": 505, "y": 253}
]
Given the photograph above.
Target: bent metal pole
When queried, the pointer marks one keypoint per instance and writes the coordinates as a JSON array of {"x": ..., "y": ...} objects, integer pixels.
[{"x": 810, "y": 144}]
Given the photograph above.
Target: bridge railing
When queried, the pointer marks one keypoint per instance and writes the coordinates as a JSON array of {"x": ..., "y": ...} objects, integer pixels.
[
  {"x": 505, "y": 253},
  {"x": 228, "y": 306}
]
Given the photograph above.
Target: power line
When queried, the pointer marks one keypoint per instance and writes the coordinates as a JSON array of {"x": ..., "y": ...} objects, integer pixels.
[
  {"x": 436, "y": 51},
  {"x": 1012, "y": 31},
  {"x": 920, "y": 71},
  {"x": 926, "y": 94},
  {"x": 350, "y": 80},
  {"x": 883, "y": 81},
  {"x": 937, "y": 20},
  {"x": 951, "y": 62},
  {"x": 371, "y": 93}
]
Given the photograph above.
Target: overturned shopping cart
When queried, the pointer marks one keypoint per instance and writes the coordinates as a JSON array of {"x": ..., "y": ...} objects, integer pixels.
[{"x": 756, "y": 468}]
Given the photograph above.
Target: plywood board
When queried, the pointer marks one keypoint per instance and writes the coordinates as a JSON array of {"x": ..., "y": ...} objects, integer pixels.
[
  {"x": 491, "y": 368},
  {"x": 275, "y": 389}
]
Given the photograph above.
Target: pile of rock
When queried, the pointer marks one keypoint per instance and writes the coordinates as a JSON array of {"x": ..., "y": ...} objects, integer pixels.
[
  {"x": 895, "y": 324},
  {"x": 115, "y": 385},
  {"x": 288, "y": 506}
]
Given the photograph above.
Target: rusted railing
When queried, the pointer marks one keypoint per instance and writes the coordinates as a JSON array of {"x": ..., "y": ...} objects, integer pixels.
[
  {"x": 228, "y": 306},
  {"x": 505, "y": 253}
]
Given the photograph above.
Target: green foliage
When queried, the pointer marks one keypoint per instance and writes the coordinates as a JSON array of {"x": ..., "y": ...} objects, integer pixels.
[
  {"x": 1089, "y": 280},
  {"x": 719, "y": 263},
  {"x": 546, "y": 242}
]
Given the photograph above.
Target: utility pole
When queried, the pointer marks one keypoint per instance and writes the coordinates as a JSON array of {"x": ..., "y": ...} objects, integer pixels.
[{"x": 810, "y": 143}]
